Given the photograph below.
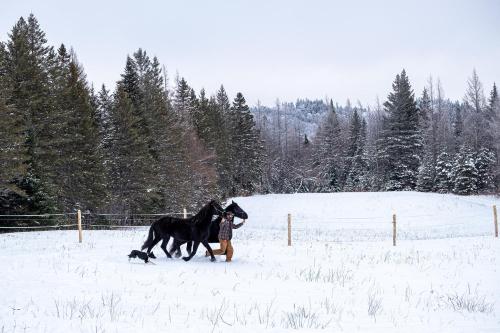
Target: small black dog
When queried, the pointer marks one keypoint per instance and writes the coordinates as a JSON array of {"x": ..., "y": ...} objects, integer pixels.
[{"x": 140, "y": 255}]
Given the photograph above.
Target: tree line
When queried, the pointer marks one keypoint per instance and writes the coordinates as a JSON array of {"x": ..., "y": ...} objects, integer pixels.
[
  {"x": 142, "y": 147},
  {"x": 426, "y": 143}
]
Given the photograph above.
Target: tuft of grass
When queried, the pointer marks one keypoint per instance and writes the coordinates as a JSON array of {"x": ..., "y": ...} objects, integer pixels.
[
  {"x": 340, "y": 275},
  {"x": 374, "y": 304},
  {"x": 471, "y": 302},
  {"x": 311, "y": 274},
  {"x": 301, "y": 317}
]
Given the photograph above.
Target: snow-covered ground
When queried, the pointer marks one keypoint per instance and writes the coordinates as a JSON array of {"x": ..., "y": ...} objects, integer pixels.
[{"x": 340, "y": 274}]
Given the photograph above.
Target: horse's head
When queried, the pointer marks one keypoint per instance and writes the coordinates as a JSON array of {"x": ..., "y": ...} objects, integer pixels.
[{"x": 236, "y": 210}]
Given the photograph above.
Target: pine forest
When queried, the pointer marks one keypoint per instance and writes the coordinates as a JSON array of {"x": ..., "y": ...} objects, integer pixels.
[{"x": 150, "y": 145}]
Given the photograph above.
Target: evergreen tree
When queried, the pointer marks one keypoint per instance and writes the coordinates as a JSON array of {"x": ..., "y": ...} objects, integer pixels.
[
  {"x": 142, "y": 66},
  {"x": 206, "y": 120},
  {"x": 465, "y": 174},
  {"x": 427, "y": 169},
  {"x": 494, "y": 112},
  {"x": 81, "y": 173},
  {"x": 182, "y": 102},
  {"x": 247, "y": 147},
  {"x": 202, "y": 121},
  {"x": 357, "y": 178},
  {"x": 194, "y": 103},
  {"x": 427, "y": 174},
  {"x": 402, "y": 142},
  {"x": 12, "y": 148},
  {"x": 26, "y": 65},
  {"x": 223, "y": 101},
  {"x": 494, "y": 109},
  {"x": 130, "y": 173},
  {"x": 225, "y": 143},
  {"x": 444, "y": 173},
  {"x": 130, "y": 84},
  {"x": 355, "y": 140},
  {"x": 458, "y": 129},
  {"x": 425, "y": 110},
  {"x": 485, "y": 164},
  {"x": 494, "y": 100},
  {"x": 329, "y": 154},
  {"x": 104, "y": 106}
]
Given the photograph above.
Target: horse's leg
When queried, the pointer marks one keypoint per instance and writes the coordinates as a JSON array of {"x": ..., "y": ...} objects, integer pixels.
[
  {"x": 195, "y": 247},
  {"x": 207, "y": 246},
  {"x": 153, "y": 243},
  {"x": 164, "y": 246},
  {"x": 172, "y": 248},
  {"x": 188, "y": 246},
  {"x": 176, "y": 247}
]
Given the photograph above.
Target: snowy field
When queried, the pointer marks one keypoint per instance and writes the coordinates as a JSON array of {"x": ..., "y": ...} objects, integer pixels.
[{"x": 341, "y": 273}]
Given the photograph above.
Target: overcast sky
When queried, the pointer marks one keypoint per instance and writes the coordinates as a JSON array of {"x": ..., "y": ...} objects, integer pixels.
[{"x": 280, "y": 48}]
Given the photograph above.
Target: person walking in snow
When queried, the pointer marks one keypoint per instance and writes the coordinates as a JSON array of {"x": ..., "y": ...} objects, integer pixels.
[{"x": 225, "y": 235}]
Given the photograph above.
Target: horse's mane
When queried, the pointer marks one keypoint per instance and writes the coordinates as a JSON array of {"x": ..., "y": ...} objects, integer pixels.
[{"x": 204, "y": 211}]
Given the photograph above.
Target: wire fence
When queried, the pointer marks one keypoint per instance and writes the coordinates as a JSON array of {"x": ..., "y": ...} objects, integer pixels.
[
  {"x": 397, "y": 227},
  {"x": 68, "y": 221},
  {"x": 303, "y": 227}
]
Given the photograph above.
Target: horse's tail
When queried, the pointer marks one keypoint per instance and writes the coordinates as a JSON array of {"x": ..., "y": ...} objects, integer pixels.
[{"x": 149, "y": 241}]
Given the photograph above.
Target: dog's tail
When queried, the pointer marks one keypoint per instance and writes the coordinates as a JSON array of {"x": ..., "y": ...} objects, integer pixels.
[{"x": 149, "y": 241}]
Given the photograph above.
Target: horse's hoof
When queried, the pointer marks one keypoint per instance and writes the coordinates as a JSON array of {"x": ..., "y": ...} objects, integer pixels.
[
  {"x": 213, "y": 259},
  {"x": 185, "y": 258},
  {"x": 178, "y": 255}
]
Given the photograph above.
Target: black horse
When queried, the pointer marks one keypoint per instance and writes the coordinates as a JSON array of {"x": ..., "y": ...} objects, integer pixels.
[
  {"x": 195, "y": 228},
  {"x": 214, "y": 230}
]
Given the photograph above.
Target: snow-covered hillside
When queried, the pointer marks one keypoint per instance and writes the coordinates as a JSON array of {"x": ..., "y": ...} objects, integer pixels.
[
  {"x": 368, "y": 216},
  {"x": 340, "y": 274},
  {"x": 303, "y": 115}
]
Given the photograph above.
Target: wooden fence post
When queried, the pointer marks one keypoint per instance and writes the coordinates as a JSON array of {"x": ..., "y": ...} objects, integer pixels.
[
  {"x": 393, "y": 229},
  {"x": 185, "y": 213},
  {"x": 495, "y": 220},
  {"x": 79, "y": 221},
  {"x": 289, "y": 229}
]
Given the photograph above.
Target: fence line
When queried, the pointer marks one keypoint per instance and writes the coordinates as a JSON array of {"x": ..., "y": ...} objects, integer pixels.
[
  {"x": 117, "y": 214},
  {"x": 87, "y": 220},
  {"x": 116, "y": 226},
  {"x": 358, "y": 218},
  {"x": 405, "y": 224},
  {"x": 41, "y": 215},
  {"x": 305, "y": 225},
  {"x": 42, "y": 226},
  {"x": 298, "y": 221}
]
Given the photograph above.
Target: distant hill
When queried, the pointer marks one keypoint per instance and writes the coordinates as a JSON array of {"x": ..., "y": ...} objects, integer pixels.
[{"x": 304, "y": 114}]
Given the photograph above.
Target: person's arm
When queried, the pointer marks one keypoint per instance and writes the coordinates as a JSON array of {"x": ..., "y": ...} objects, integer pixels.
[{"x": 236, "y": 226}]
